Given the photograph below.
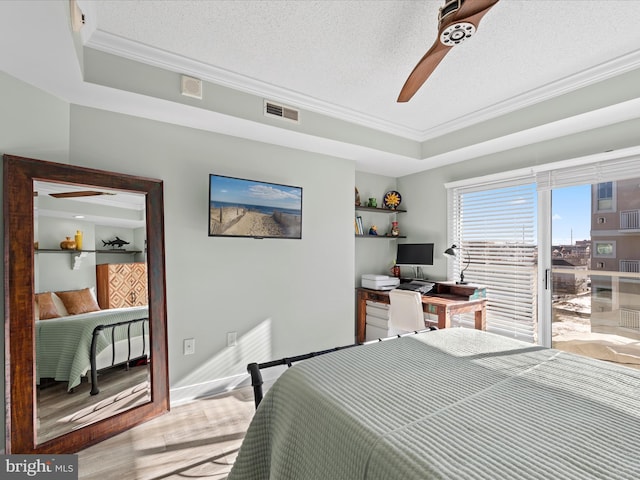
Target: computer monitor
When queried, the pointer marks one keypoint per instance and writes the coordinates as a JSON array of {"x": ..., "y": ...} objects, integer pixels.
[{"x": 414, "y": 254}]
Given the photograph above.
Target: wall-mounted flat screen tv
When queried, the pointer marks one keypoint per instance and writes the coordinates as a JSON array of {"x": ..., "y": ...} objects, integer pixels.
[
  {"x": 239, "y": 207},
  {"x": 414, "y": 254}
]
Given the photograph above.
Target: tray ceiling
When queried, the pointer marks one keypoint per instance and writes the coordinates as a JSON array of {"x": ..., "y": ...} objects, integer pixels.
[{"x": 345, "y": 60}]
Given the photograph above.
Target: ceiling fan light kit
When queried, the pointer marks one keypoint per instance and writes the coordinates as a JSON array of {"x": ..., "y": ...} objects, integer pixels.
[
  {"x": 457, "y": 33},
  {"x": 458, "y": 21}
]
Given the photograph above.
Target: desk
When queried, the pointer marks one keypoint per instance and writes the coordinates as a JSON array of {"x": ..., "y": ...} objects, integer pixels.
[{"x": 447, "y": 299}]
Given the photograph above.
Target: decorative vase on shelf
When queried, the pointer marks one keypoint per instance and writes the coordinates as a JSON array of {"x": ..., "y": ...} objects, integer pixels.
[
  {"x": 395, "y": 231},
  {"x": 68, "y": 244},
  {"x": 78, "y": 240}
]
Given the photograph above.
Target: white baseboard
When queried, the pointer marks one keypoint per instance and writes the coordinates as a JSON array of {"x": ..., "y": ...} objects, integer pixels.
[{"x": 182, "y": 395}]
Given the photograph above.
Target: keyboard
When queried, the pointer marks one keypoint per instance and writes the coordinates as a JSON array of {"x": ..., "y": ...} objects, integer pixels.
[{"x": 417, "y": 286}]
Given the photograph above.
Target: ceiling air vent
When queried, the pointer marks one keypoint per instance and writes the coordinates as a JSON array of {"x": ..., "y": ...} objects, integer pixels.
[{"x": 272, "y": 109}]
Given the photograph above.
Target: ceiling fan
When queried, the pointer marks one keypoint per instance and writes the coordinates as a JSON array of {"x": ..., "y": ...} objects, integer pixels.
[
  {"x": 79, "y": 193},
  {"x": 458, "y": 20}
]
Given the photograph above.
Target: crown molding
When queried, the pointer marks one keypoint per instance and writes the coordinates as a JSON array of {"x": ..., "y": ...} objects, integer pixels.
[
  {"x": 136, "y": 51},
  {"x": 612, "y": 68},
  {"x": 119, "y": 46}
]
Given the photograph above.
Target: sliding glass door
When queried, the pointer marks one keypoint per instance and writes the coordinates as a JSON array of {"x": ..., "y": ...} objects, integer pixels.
[
  {"x": 558, "y": 250},
  {"x": 595, "y": 270}
]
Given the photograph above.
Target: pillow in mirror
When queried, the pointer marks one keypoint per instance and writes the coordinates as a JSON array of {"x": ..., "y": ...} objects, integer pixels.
[
  {"x": 45, "y": 306},
  {"x": 62, "y": 310},
  {"x": 79, "y": 301}
]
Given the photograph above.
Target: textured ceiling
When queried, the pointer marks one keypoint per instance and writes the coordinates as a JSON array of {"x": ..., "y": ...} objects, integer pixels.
[
  {"x": 536, "y": 71},
  {"x": 355, "y": 55}
]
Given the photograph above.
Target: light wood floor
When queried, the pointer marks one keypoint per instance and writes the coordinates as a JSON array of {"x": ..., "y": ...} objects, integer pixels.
[
  {"x": 60, "y": 412},
  {"x": 196, "y": 440}
]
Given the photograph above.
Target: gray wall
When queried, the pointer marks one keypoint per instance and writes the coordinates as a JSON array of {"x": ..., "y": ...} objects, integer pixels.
[
  {"x": 374, "y": 255},
  {"x": 282, "y": 297},
  {"x": 32, "y": 124},
  {"x": 56, "y": 272}
]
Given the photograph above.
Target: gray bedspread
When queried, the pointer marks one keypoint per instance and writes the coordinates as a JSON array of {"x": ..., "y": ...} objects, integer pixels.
[
  {"x": 450, "y": 404},
  {"x": 63, "y": 345}
]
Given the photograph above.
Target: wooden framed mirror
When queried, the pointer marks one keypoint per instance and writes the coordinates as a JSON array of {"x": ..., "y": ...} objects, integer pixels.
[{"x": 21, "y": 377}]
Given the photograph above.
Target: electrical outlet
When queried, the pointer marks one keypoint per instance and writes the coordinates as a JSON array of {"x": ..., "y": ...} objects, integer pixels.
[
  {"x": 189, "y": 346},
  {"x": 232, "y": 339}
]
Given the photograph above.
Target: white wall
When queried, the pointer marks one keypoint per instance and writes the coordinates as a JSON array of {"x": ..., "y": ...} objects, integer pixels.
[{"x": 282, "y": 297}]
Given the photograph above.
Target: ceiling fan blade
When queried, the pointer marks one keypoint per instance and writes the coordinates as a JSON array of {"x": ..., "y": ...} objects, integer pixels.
[
  {"x": 469, "y": 12},
  {"x": 423, "y": 70},
  {"x": 81, "y": 193}
]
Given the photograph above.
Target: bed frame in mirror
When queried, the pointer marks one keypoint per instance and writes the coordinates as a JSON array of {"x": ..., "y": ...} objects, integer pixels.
[{"x": 20, "y": 373}]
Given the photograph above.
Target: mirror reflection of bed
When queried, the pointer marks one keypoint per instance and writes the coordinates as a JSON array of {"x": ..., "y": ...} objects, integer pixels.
[{"x": 100, "y": 284}]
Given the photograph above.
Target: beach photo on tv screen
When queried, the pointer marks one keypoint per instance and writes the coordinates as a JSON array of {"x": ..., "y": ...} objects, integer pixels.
[{"x": 240, "y": 207}]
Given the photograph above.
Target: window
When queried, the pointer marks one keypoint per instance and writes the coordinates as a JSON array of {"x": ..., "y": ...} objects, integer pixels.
[
  {"x": 605, "y": 196},
  {"x": 603, "y": 292},
  {"x": 604, "y": 248}
]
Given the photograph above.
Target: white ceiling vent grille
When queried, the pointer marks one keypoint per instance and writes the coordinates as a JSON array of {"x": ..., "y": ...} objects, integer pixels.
[
  {"x": 276, "y": 110},
  {"x": 191, "y": 87}
]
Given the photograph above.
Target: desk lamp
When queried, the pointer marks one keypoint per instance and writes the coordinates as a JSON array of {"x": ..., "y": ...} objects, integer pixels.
[{"x": 451, "y": 251}]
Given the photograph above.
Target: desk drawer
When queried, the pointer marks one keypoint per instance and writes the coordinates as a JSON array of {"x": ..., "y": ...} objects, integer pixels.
[
  {"x": 374, "y": 333},
  {"x": 372, "y": 295},
  {"x": 379, "y": 310},
  {"x": 377, "y": 322}
]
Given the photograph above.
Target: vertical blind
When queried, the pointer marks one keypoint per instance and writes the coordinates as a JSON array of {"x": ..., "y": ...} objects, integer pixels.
[{"x": 494, "y": 226}]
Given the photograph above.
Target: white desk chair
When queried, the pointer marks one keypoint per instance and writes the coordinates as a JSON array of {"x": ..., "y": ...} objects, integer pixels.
[{"x": 405, "y": 312}]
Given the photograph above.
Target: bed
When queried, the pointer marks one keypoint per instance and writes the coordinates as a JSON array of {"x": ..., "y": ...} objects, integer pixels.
[
  {"x": 448, "y": 404},
  {"x": 64, "y": 344}
]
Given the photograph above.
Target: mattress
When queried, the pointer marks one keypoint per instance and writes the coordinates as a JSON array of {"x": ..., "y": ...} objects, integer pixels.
[{"x": 449, "y": 404}]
